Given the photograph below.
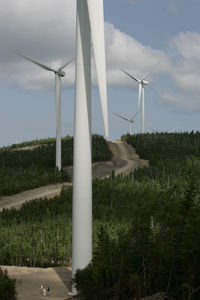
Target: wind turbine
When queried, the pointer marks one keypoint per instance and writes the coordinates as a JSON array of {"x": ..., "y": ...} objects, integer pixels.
[
  {"x": 142, "y": 82},
  {"x": 168, "y": 131},
  {"x": 153, "y": 130},
  {"x": 58, "y": 74},
  {"x": 172, "y": 130},
  {"x": 131, "y": 121},
  {"x": 89, "y": 24}
]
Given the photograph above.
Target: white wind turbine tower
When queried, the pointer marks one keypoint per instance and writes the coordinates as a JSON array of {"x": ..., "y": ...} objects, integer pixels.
[
  {"x": 131, "y": 121},
  {"x": 58, "y": 74},
  {"x": 142, "y": 82},
  {"x": 89, "y": 24}
]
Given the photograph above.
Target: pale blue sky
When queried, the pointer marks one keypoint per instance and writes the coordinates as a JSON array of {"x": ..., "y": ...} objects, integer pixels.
[
  {"x": 138, "y": 34},
  {"x": 153, "y": 22}
]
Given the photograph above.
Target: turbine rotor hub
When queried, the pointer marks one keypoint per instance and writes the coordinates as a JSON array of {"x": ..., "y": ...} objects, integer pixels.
[
  {"x": 145, "y": 82},
  {"x": 61, "y": 73}
]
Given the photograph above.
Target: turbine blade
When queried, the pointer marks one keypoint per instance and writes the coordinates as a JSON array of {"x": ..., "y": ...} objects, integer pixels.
[
  {"x": 155, "y": 131},
  {"x": 139, "y": 94},
  {"x": 131, "y": 76},
  {"x": 66, "y": 64},
  {"x": 96, "y": 17},
  {"x": 170, "y": 131},
  {"x": 150, "y": 70},
  {"x": 35, "y": 62},
  {"x": 122, "y": 117},
  {"x": 135, "y": 115}
]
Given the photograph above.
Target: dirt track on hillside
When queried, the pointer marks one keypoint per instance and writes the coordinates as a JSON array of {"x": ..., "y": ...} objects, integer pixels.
[{"x": 17, "y": 200}]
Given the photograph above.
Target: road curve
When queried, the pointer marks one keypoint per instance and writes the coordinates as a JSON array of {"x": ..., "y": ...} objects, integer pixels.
[
  {"x": 123, "y": 162},
  {"x": 127, "y": 159}
]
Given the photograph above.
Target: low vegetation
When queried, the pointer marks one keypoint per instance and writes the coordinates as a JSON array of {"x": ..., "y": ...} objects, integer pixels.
[{"x": 7, "y": 286}]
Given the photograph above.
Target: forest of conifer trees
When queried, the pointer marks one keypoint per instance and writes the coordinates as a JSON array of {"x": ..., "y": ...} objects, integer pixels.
[{"x": 145, "y": 226}]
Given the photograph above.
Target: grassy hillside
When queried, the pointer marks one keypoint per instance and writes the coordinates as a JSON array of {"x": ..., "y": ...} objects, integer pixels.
[
  {"x": 145, "y": 226},
  {"x": 32, "y": 164}
]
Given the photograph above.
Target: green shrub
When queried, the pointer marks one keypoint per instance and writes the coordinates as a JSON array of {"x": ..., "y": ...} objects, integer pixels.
[{"x": 7, "y": 286}]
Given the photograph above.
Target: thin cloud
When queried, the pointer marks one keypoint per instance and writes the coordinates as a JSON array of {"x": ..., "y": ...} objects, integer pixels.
[
  {"x": 181, "y": 102},
  {"x": 186, "y": 70},
  {"x": 172, "y": 5}
]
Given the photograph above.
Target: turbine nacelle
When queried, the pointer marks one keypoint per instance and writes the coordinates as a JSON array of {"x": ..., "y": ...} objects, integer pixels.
[
  {"x": 60, "y": 73},
  {"x": 144, "y": 82}
]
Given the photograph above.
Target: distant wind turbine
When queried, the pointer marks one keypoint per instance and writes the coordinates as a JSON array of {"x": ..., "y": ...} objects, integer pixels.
[
  {"x": 89, "y": 24},
  {"x": 58, "y": 74},
  {"x": 153, "y": 130},
  {"x": 142, "y": 82},
  {"x": 172, "y": 130},
  {"x": 168, "y": 131},
  {"x": 131, "y": 121}
]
